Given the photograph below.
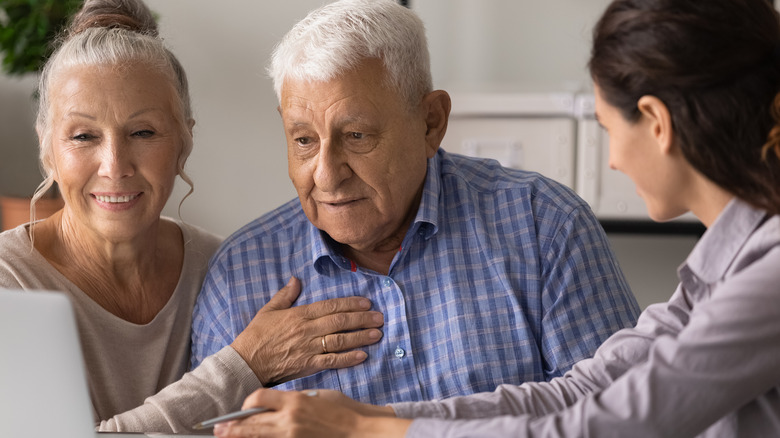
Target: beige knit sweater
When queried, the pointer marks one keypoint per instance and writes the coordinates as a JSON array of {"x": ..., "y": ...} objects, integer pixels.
[{"x": 135, "y": 371}]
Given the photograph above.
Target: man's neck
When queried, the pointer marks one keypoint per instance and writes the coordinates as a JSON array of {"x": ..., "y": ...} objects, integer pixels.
[{"x": 378, "y": 260}]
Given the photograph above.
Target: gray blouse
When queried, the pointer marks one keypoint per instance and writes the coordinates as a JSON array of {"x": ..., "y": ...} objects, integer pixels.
[{"x": 706, "y": 363}]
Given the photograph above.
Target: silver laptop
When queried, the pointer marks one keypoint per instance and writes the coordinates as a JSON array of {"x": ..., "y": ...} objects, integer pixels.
[{"x": 43, "y": 385}]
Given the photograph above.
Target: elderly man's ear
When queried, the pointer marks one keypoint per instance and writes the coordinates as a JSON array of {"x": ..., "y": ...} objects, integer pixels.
[{"x": 436, "y": 106}]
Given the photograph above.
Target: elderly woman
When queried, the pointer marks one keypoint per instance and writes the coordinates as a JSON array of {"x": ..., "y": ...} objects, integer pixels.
[
  {"x": 115, "y": 129},
  {"x": 688, "y": 92}
]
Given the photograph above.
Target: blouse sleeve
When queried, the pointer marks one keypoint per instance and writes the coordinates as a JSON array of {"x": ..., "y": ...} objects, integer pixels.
[
  {"x": 678, "y": 372},
  {"x": 219, "y": 385}
]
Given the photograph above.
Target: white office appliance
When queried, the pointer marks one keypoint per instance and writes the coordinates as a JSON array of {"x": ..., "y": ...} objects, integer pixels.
[{"x": 530, "y": 131}]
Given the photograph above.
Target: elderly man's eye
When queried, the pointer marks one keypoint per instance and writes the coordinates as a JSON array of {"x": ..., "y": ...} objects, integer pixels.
[
  {"x": 303, "y": 141},
  {"x": 356, "y": 135}
]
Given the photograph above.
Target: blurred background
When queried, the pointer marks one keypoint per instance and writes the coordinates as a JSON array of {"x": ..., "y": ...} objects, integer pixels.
[{"x": 517, "y": 62}]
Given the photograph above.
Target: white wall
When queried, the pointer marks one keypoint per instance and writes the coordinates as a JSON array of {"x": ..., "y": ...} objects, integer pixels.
[
  {"x": 19, "y": 175},
  {"x": 239, "y": 160},
  {"x": 239, "y": 163},
  {"x": 510, "y": 45}
]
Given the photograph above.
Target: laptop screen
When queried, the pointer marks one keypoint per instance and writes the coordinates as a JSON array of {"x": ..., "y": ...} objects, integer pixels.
[{"x": 43, "y": 386}]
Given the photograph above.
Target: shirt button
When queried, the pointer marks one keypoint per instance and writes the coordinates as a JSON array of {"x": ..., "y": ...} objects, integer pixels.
[
  {"x": 387, "y": 282},
  {"x": 399, "y": 352}
]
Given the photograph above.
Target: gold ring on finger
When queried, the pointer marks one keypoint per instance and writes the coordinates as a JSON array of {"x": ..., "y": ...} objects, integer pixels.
[{"x": 324, "y": 346}]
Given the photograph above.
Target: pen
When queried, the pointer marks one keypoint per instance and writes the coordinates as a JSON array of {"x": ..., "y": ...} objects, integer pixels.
[
  {"x": 227, "y": 417},
  {"x": 238, "y": 415}
]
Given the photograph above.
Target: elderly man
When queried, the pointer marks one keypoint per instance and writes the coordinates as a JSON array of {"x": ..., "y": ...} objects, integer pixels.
[{"x": 485, "y": 275}]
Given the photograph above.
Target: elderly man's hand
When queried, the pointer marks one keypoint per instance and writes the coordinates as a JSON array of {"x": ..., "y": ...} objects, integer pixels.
[{"x": 284, "y": 343}]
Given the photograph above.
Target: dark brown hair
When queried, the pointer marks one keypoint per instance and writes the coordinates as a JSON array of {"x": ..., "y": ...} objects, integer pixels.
[{"x": 716, "y": 66}]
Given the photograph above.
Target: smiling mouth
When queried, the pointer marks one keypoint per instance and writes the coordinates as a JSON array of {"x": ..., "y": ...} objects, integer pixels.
[{"x": 116, "y": 199}]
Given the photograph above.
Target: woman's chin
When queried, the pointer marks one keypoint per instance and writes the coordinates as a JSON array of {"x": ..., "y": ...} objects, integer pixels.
[{"x": 663, "y": 215}]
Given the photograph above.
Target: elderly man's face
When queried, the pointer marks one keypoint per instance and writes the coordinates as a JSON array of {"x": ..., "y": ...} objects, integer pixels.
[{"x": 357, "y": 156}]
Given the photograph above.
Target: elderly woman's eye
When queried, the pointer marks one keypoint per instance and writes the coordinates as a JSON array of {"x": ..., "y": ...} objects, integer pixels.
[
  {"x": 143, "y": 133},
  {"x": 82, "y": 137}
]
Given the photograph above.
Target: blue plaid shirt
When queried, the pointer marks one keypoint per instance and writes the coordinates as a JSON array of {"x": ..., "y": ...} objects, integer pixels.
[{"x": 504, "y": 277}]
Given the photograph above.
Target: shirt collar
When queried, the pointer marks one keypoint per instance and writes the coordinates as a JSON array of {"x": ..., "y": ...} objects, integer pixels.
[
  {"x": 426, "y": 220},
  {"x": 720, "y": 244},
  {"x": 324, "y": 248}
]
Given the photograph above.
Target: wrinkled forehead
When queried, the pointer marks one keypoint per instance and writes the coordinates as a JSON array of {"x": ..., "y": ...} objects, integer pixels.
[{"x": 353, "y": 97}]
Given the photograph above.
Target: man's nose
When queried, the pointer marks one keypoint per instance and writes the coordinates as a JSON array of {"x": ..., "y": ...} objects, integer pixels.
[{"x": 332, "y": 166}]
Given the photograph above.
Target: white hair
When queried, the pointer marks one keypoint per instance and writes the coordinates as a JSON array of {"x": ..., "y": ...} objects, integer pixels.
[{"x": 338, "y": 36}]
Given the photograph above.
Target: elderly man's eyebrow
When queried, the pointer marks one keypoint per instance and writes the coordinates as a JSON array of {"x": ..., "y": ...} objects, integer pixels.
[
  {"x": 354, "y": 119},
  {"x": 73, "y": 114}
]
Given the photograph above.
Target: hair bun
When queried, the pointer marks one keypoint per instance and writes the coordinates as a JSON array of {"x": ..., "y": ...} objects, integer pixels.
[{"x": 132, "y": 15}]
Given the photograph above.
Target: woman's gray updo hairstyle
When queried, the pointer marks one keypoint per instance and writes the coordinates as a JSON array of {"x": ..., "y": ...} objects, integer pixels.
[{"x": 112, "y": 33}]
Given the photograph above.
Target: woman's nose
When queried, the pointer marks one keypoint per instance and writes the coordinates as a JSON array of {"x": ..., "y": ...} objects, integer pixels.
[{"x": 115, "y": 160}]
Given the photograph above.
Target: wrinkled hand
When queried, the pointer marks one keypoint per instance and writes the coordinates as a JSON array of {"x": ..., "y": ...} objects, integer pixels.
[
  {"x": 326, "y": 414},
  {"x": 282, "y": 343}
]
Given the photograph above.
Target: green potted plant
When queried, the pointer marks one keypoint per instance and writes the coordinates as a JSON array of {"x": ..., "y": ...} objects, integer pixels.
[{"x": 27, "y": 30}]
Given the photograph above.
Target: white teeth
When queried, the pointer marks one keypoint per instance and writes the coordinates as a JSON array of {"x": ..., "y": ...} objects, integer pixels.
[{"x": 116, "y": 199}]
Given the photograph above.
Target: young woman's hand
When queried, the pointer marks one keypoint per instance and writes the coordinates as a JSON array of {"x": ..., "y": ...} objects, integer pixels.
[{"x": 304, "y": 414}]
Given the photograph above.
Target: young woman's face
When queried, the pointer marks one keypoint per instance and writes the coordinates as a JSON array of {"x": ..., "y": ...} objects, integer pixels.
[{"x": 634, "y": 149}]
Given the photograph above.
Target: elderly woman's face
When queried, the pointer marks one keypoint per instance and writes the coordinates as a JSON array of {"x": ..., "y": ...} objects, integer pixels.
[
  {"x": 115, "y": 144},
  {"x": 357, "y": 155}
]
